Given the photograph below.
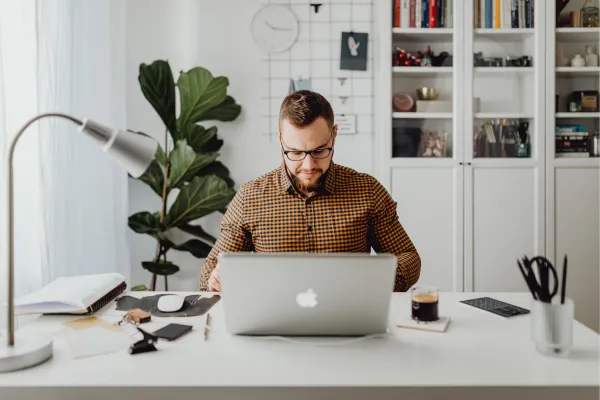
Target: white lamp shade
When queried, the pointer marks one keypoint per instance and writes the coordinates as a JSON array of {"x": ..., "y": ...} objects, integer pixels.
[{"x": 133, "y": 151}]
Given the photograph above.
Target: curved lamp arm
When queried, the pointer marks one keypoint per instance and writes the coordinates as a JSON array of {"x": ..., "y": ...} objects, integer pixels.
[{"x": 133, "y": 151}]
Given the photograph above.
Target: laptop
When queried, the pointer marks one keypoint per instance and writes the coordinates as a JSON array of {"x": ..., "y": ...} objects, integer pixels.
[{"x": 306, "y": 294}]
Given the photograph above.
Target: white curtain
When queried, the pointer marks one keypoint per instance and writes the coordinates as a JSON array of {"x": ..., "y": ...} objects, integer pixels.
[{"x": 70, "y": 200}]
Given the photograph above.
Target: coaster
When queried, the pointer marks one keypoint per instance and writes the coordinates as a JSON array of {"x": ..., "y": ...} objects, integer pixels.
[{"x": 439, "y": 326}]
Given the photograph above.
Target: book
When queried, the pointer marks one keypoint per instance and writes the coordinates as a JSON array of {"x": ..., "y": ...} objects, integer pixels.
[
  {"x": 84, "y": 294},
  {"x": 439, "y": 326}
]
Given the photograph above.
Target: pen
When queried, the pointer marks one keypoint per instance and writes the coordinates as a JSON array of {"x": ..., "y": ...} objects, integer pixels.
[
  {"x": 206, "y": 326},
  {"x": 564, "y": 282}
]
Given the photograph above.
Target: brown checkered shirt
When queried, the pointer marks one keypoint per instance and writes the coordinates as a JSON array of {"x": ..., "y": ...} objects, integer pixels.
[{"x": 352, "y": 213}]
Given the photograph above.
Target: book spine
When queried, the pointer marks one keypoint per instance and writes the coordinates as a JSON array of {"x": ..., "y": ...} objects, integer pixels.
[
  {"x": 497, "y": 13},
  {"x": 489, "y": 14},
  {"x": 405, "y": 14},
  {"x": 432, "y": 14},
  {"x": 425, "y": 14},
  {"x": 440, "y": 7},
  {"x": 449, "y": 7},
  {"x": 418, "y": 13},
  {"x": 411, "y": 18},
  {"x": 514, "y": 14},
  {"x": 396, "y": 13}
]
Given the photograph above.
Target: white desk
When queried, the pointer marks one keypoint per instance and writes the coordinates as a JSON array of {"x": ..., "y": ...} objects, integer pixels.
[{"x": 480, "y": 356}]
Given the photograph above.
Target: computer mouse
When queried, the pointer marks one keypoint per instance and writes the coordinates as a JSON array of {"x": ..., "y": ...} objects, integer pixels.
[{"x": 170, "y": 303}]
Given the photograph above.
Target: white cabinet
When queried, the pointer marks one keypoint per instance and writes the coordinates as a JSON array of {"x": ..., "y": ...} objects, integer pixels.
[
  {"x": 430, "y": 209},
  {"x": 474, "y": 212}
]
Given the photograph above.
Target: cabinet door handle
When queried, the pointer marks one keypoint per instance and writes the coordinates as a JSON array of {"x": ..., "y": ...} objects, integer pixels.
[
  {"x": 461, "y": 163},
  {"x": 468, "y": 163}
]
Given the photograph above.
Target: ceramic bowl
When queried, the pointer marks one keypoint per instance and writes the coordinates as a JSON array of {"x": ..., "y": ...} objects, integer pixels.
[{"x": 427, "y": 93}]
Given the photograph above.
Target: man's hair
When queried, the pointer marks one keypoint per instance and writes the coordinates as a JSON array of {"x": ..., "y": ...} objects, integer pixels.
[{"x": 303, "y": 107}]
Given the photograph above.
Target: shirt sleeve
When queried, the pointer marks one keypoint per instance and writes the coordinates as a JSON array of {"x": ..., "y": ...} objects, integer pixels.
[
  {"x": 388, "y": 236},
  {"x": 234, "y": 237}
]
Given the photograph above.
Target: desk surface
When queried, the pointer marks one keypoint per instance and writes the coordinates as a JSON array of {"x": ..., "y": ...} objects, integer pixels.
[{"x": 479, "y": 349}]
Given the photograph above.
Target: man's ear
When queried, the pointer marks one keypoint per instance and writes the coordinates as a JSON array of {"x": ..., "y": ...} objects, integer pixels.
[{"x": 335, "y": 130}]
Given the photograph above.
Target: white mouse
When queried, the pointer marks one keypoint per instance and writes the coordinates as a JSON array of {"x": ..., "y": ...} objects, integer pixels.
[{"x": 170, "y": 303}]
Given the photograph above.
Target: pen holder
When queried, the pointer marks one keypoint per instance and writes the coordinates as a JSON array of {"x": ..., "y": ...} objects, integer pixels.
[{"x": 552, "y": 327}]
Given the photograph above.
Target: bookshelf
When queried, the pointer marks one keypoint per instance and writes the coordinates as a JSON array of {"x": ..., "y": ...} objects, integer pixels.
[{"x": 469, "y": 214}]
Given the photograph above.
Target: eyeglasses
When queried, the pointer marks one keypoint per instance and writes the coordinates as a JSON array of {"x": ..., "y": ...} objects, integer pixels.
[
  {"x": 317, "y": 154},
  {"x": 298, "y": 155}
]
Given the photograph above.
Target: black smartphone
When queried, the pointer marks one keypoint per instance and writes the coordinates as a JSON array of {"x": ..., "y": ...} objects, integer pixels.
[{"x": 172, "y": 331}]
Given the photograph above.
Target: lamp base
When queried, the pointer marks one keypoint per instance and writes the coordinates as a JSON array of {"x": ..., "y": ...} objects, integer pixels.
[{"x": 27, "y": 352}]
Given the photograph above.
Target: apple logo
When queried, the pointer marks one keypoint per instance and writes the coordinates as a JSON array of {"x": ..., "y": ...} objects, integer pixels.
[{"x": 307, "y": 299}]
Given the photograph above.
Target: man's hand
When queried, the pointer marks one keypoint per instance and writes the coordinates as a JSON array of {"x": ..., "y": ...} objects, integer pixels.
[{"x": 214, "y": 284}]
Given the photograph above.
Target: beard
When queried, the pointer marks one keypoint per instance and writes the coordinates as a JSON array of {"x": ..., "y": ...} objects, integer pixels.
[{"x": 308, "y": 185}]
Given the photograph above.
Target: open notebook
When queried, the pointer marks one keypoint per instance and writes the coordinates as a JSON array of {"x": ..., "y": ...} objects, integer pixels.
[{"x": 84, "y": 294}]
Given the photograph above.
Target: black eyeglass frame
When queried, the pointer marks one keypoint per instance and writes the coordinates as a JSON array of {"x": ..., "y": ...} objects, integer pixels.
[{"x": 309, "y": 152}]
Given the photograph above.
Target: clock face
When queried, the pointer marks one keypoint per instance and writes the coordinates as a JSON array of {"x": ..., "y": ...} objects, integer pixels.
[{"x": 274, "y": 28}]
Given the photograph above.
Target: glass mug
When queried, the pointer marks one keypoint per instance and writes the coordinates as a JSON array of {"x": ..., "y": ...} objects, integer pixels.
[{"x": 424, "y": 303}]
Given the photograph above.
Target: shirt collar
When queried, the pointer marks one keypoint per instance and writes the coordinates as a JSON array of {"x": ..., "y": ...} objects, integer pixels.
[{"x": 330, "y": 178}]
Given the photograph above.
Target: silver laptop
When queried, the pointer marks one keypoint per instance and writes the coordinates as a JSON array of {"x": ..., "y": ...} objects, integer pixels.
[{"x": 307, "y": 294}]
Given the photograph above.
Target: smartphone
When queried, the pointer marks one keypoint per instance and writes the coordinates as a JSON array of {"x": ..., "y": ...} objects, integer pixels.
[{"x": 172, "y": 331}]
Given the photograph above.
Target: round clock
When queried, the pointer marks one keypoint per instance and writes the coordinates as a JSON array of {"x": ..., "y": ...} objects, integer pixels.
[{"x": 274, "y": 28}]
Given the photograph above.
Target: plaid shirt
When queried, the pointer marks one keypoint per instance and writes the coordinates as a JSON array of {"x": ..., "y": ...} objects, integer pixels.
[{"x": 352, "y": 213}]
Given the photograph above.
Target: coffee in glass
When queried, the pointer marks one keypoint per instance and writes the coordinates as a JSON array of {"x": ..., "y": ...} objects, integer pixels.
[{"x": 424, "y": 304}]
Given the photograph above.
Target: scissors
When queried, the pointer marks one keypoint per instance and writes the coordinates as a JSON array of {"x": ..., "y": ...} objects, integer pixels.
[{"x": 540, "y": 289}]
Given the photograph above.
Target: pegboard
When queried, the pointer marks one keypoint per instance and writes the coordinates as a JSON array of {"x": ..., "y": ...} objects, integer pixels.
[{"x": 316, "y": 55}]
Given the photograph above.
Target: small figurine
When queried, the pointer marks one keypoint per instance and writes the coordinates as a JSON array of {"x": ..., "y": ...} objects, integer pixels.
[
  {"x": 578, "y": 61},
  {"x": 591, "y": 58}
]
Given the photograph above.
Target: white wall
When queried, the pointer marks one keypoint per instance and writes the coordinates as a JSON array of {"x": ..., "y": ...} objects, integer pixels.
[{"x": 216, "y": 35}]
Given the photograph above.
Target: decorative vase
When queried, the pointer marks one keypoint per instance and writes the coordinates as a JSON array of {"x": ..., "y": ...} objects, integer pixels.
[
  {"x": 561, "y": 60},
  {"x": 578, "y": 61},
  {"x": 591, "y": 58}
]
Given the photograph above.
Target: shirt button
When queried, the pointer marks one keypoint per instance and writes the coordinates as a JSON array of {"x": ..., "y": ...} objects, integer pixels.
[{"x": 309, "y": 228}]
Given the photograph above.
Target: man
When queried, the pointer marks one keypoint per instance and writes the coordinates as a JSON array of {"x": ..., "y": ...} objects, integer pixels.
[{"x": 310, "y": 204}]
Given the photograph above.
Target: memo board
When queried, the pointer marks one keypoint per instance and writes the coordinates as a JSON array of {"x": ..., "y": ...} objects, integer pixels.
[{"x": 316, "y": 55}]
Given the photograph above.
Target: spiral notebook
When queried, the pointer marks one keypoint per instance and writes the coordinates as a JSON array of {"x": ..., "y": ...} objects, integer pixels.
[{"x": 84, "y": 294}]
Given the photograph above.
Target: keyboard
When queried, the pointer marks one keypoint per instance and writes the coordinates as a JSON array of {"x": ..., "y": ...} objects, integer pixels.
[{"x": 496, "y": 307}]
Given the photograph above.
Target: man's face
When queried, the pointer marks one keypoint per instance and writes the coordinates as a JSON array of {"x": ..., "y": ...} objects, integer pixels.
[{"x": 307, "y": 173}]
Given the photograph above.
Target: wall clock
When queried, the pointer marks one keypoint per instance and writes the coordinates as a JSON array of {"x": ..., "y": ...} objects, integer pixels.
[{"x": 274, "y": 28}]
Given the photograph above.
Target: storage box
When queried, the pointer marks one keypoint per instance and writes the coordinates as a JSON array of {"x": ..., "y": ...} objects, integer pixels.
[{"x": 439, "y": 106}]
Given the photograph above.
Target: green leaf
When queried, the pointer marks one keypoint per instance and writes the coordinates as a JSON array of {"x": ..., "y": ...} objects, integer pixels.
[
  {"x": 201, "y": 197},
  {"x": 217, "y": 168},
  {"x": 199, "y": 92},
  {"x": 197, "y": 247},
  {"x": 197, "y": 136},
  {"x": 185, "y": 164},
  {"x": 181, "y": 159},
  {"x": 160, "y": 268},
  {"x": 197, "y": 231},
  {"x": 154, "y": 177},
  {"x": 158, "y": 86},
  {"x": 228, "y": 110},
  {"x": 145, "y": 223},
  {"x": 139, "y": 288},
  {"x": 214, "y": 144}
]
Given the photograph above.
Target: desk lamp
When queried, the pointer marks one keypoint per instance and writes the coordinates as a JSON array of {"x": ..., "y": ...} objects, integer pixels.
[{"x": 134, "y": 152}]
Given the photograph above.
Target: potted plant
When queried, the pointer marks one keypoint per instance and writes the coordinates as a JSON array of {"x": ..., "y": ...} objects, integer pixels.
[{"x": 186, "y": 172}]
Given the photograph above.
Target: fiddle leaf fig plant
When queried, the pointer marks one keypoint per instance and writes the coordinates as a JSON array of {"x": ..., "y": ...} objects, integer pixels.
[{"x": 187, "y": 169}]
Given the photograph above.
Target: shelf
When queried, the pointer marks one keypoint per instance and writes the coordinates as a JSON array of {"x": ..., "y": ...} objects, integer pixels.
[
  {"x": 505, "y": 34},
  {"x": 423, "y": 34},
  {"x": 504, "y": 70},
  {"x": 575, "y": 162},
  {"x": 578, "y": 71},
  {"x": 420, "y": 71},
  {"x": 578, "y": 115},
  {"x": 577, "y": 34},
  {"x": 422, "y": 115},
  {"x": 496, "y": 115}
]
